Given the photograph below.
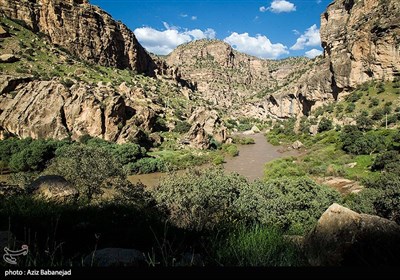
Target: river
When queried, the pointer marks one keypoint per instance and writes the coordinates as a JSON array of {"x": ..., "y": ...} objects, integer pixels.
[{"x": 249, "y": 163}]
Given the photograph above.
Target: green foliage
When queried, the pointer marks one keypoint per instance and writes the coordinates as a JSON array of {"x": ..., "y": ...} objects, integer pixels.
[
  {"x": 146, "y": 165},
  {"x": 292, "y": 204},
  {"x": 374, "y": 102},
  {"x": 282, "y": 167},
  {"x": 377, "y": 114},
  {"x": 182, "y": 127},
  {"x": 230, "y": 149},
  {"x": 364, "y": 122},
  {"x": 325, "y": 125},
  {"x": 23, "y": 155},
  {"x": 242, "y": 140},
  {"x": 255, "y": 246},
  {"x": 218, "y": 159},
  {"x": 356, "y": 142},
  {"x": 127, "y": 153},
  {"x": 350, "y": 108},
  {"x": 199, "y": 199},
  {"x": 88, "y": 168},
  {"x": 354, "y": 97},
  {"x": 388, "y": 161}
]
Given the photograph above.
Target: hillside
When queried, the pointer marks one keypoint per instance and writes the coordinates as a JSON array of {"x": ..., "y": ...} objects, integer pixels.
[
  {"x": 233, "y": 81},
  {"x": 361, "y": 44}
]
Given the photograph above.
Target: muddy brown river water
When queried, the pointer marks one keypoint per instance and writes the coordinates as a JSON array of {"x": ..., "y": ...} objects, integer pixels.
[{"x": 250, "y": 162}]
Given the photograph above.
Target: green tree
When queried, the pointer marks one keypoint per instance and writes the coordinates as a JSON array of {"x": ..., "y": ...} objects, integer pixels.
[
  {"x": 89, "y": 168},
  {"x": 325, "y": 125}
]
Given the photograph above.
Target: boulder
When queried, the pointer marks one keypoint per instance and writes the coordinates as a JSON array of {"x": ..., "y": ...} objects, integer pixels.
[
  {"x": 114, "y": 257},
  {"x": 255, "y": 129},
  {"x": 8, "y": 58},
  {"x": 313, "y": 129},
  {"x": 343, "y": 185},
  {"x": 344, "y": 237},
  {"x": 3, "y": 33},
  {"x": 297, "y": 145},
  {"x": 53, "y": 187}
]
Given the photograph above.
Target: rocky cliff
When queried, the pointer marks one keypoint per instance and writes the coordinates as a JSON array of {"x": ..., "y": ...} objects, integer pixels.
[
  {"x": 231, "y": 80},
  {"x": 361, "y": 41},
  {"x": 84, "y": 30}
]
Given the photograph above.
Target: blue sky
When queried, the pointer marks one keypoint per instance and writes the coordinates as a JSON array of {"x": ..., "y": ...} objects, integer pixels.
[{"x": 268, "y": 29}]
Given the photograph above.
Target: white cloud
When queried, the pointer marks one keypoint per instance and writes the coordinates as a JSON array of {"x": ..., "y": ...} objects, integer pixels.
[
  {"x": 259, "y": 46},
  {"x": 310, "y": 38},
  {"x": 193, "y": 18},
  {"x": 279, "y": 6},
  {"x": 163, "y": 42},
  {"x": 184, "y": 15},
  {"x": 296, "y": 32},
  {"x": 313, "y": 53}
]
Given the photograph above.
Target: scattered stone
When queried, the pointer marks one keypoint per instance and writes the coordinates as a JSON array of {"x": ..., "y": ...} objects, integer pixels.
[
  {"x": 8, "y": 58},
  {"x": 344, "y": 237},
  {"x": 344, "y": 186},
  {"x": 248, "y": 132},
  {"x": 297, "y": 145},
  {"x": 114, "y": 257},
  {"x": 53, "y": 187},
  {"x": 351, "y": 165}
]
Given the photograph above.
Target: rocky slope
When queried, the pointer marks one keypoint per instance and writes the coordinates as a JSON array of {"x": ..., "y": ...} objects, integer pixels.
[
  {"x": 231, "y": 80},
  {"x": 361, "y": 41},
  {"x": 84, "y": 30}
]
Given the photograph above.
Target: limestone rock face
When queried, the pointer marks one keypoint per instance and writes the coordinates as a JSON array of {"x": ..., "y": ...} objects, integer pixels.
[
  {"x": 361, "y": 42},
  {"x": 84, "y": 30},
  {"x": 361, "y": 39},
  {"x": 344, "y": 237},
  {"x": 48, "y": 109},
  {"x": 205, "y": 123}
]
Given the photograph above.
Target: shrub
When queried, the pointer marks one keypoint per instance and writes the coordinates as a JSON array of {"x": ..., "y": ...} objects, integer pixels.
[
  {"x": 218, "y": 159},
  {"x": 377, "y": 114},
  {"x": 292, "y": 204},
  {"x": 182, "y": 127},
  {"x": 364, "y": 122},
  {"x": 199, "y": 199},
  {"x": 350, "y": 108},
  {"x": 325, "y": 125},
  {"x": 146, "y": 165},
  {"x": 282, "y": 167},
  {"x": 129, "y": 152},
  {"x": 358, "y": 143},
  {"x": 374, "y": 102},
  {"x": 388, "y": 161},
  {"x": 242, "y": 140}
]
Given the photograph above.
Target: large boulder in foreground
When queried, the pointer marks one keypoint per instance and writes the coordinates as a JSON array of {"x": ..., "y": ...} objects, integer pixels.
[
  {"x": 53, "y": 187},
  {"x": 344, "y": 237},
  {"x": 114, "y": 257}
]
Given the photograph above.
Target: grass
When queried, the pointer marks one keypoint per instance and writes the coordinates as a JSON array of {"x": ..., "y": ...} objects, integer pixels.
[{"x": 256, "y": 246}]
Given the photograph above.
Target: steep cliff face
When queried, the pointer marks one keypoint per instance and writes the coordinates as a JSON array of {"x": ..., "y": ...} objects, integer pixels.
[
  {"x": 84, "y": 30},
  {"x": 361, "y": 41}
]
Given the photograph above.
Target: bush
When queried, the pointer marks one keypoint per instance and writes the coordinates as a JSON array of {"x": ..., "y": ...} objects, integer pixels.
[
  {"x": 388, "y": 161},
  {"x": 255, "y": 246},
  {"x": 199, "y": 199},
  {"x": 146, "y": 165},
  {"x": 129, "y": 152},
  {"x": 364, "y": 122},
  {"x": 350, "y": 108},
  {"x": 182, "y": 127},
  {"x": 88, "y": 168},
  {"x": 218, "y": 159},
  {"x": 374, "y": 102},
  {"x": 325, "y": 125},
  {"x": 282, "y": 167},
  {"x": 358, "y": 143},
  {"x": 242, "y": 140},
  {"x": 292, "y": 204}
]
